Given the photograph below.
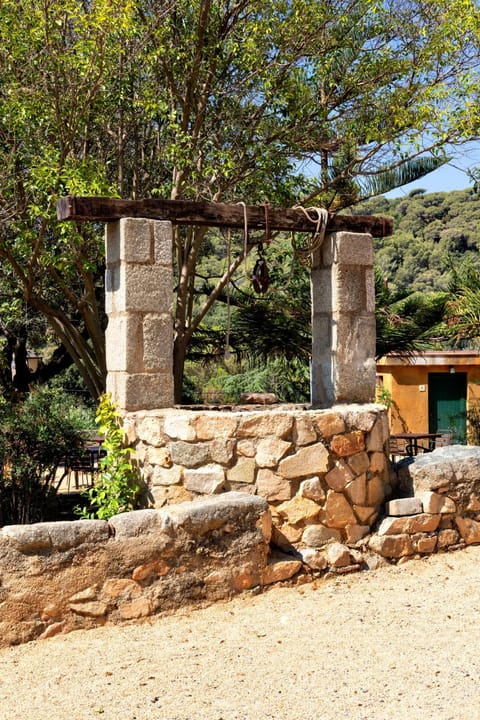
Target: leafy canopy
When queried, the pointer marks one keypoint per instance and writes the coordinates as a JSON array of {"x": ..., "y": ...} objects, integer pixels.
[{"x": 281, "y": 100}]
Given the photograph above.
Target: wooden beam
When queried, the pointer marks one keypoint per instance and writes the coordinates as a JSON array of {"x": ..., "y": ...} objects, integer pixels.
[{"x": 184, "y": 212}]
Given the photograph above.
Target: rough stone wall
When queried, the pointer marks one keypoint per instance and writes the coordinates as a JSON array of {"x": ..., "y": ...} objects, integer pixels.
[
  {"x": 443, "y": 507},
  {"x": 58, "y": 577},
  {"x": 324, "y": 473}
]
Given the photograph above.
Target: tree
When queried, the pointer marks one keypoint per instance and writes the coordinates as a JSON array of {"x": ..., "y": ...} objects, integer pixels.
[
  {"x": 407, "y": 323},
  {"x": 54, "y": 57},
  {"x": 211, "y": 99},
  {"x": 463, "y": 310}
]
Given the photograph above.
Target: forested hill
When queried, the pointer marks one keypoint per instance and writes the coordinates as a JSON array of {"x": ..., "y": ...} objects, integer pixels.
[{"x": 432, "y": 231}]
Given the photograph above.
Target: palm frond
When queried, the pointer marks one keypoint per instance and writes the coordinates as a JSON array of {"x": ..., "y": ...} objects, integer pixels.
[{"x": 391, "y": 178}]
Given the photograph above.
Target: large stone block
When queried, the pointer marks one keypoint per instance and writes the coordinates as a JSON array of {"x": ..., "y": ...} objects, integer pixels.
[
  {"x": 222, "y": 450},
  {"x": 338, "y": 555},
  {"x": 261, "y": 425},
  {"x": 139, "y": 240},
  {"x": 316, "y": 536},
  {"x": 469, "y": 530},
  {"x": 166, "y": 475},
  {"x": 124, "y": 343},
  {"x": 141, "y": 391},
  {"x": 446, "y": 538},
  {"x": 354, "y": 368},
  {"x": 338, "y": 511},
  {"x": 305, "y": 432},
  {"x": 52, "y": 536},
  {"x": 298, "y": 510},
  {"x": 350, "y": 290},
  {"x": 378, "y": 435},
  {"x": 206, "y": 514},
  {"x": 308, "y": 460},
  {"x": 359, "y": 463},
  {"x": 329, "y": 423},
  {"x": 270, "y": 451},
  {"x": 273, "y": 487},
  {"x": 141, "y": 523},
  {"x": 349, "y": 248},
  {"x": 356, "y": 490},
  {"x": 150, "y": 430},
  {"x": 437, "y": 503},
  {"x": 409, "y": 524},
  {"x": 365, "y": 514},
  {"x": 138, "y": 288},
  {"x": 207, "y": 480},
  {"x": 190, "y": 455},
  {"x": 391, "y": 546},
  {"x": 278, "y": 570},
  {"x": 453, "y": 470},
  {"x": 405, "y": 506},
  {"x": 243, "y": 471},
  {"x": 339, "y": 476},
  {"x": 160, "y": 495},
  {"x": 144, "y": 288},
  {"x": 360, "y": 417},
  {"x": 348, "y": 444},
  {"x": 375, "y": 490},
  {"x": 180, "y": 425},
  {"x": 157, "y": 343},
  {"x": 129, "y": 246},
  {"x": 211, "y": 426},
  {"x": 424, "y": 543},
  {"x": 312, "y": 489}
]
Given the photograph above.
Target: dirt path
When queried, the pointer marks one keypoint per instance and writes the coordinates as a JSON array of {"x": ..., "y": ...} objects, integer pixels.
[{"x": 399, "y": 643}]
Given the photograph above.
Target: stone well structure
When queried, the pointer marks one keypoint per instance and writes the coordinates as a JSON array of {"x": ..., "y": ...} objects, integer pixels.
[
  {"x": 216, "y": 479},
  {"x": 322, "y": 468}
]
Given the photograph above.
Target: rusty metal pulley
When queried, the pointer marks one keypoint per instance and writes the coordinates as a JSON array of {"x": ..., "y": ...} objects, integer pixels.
[{"x": 260, "y": 276}]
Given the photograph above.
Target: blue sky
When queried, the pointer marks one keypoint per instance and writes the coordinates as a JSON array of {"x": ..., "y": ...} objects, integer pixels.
[{"x": 452, "y": 176}]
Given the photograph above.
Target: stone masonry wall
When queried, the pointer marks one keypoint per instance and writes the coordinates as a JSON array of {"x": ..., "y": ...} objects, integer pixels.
[
  {"x": 324, "y": 473},
  {"x": 58, "y": 577},
  {"x": 442, "y": 510}
]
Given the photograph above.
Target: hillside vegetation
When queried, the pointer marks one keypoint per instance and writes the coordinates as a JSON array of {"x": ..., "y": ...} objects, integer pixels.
[{"x": 433, "y": 233}]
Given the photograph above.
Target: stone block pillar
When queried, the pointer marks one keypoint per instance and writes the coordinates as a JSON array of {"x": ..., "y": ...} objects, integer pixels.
[
  {"x": 343, "y": 321},
  {"x": 139, "y": 296}
]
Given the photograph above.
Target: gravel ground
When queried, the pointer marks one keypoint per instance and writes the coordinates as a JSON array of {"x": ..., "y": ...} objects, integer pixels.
[{"x": 398, "y": 643}]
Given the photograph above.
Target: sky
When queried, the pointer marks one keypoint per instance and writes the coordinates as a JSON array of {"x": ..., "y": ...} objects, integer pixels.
[{"x": 452, "y": 176}]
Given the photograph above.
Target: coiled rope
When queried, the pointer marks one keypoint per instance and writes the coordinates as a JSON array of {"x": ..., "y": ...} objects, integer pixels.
[{"x": 319, "y": 217}]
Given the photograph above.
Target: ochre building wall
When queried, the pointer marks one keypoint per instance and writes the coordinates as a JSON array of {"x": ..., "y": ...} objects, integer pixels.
[{"x": 405, "y": 382}]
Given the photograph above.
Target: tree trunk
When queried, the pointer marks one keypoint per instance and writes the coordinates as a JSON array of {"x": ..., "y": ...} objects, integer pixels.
[{"x": 179, "y": 354}]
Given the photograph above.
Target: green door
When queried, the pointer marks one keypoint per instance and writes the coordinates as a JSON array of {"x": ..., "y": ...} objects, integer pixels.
[{"x": 447, "y": 404}]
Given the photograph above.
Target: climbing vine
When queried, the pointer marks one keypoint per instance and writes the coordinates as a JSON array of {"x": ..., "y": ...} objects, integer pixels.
[{"x": 117, "y": 486}]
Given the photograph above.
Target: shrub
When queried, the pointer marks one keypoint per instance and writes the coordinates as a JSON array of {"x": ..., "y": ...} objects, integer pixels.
[
  {"x": 37, "y": 434},
  {"x": 116, "y": 488}
]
